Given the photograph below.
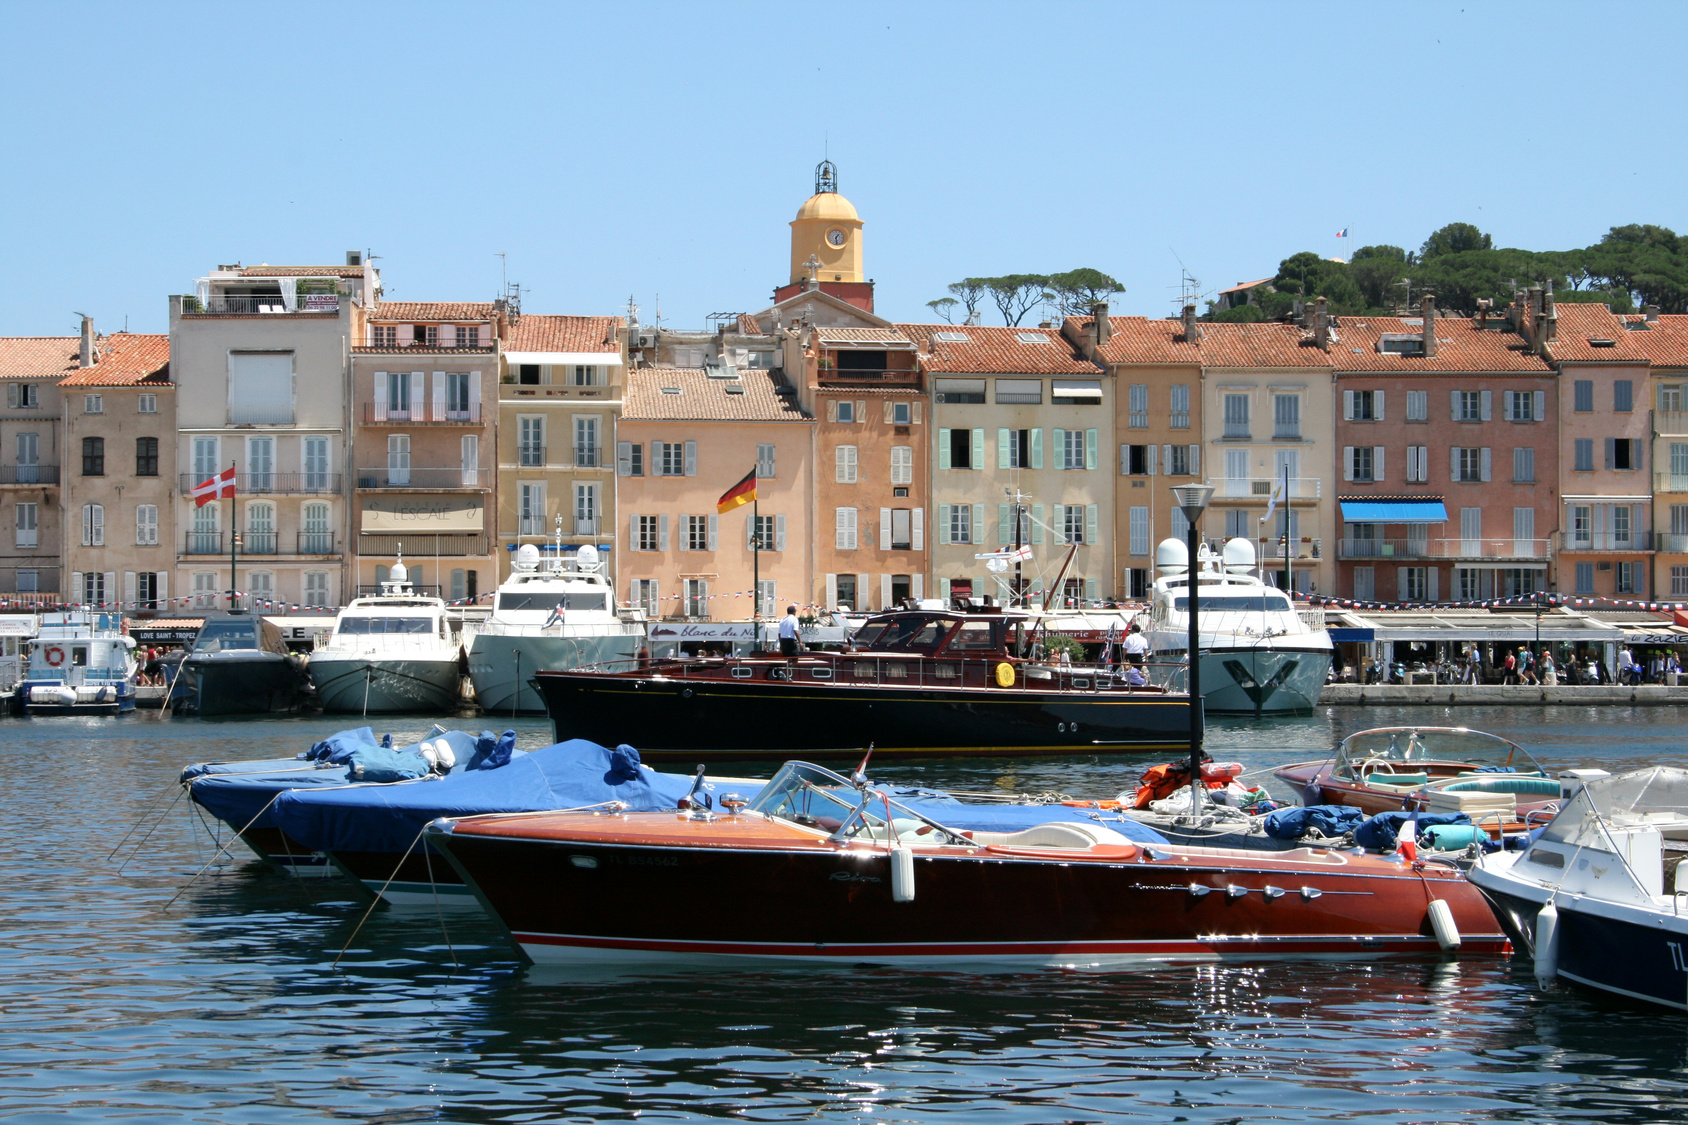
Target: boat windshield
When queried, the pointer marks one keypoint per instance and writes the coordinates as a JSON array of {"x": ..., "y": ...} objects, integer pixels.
[
  {"x": 816, "y": 797},
  {"x": 548, "y": 600},
  {"x": 359, "y": 626},
  {"x": 1654, "y": 797},
  {"x": 909, "y": 632},
  {"x": 227, "y": 636},
  {"x": 1473, "y": 749},
  {"x": 1246, "y": 603}
]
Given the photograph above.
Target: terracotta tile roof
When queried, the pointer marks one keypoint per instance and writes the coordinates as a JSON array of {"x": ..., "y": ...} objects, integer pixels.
[
  {"x": 840, "y": 335},
  {"x": 38, "y": 357},
  {"x": 536, "y": 333},
  {"x": 702, "y": 399},
  {"x": 749, "y": 325},
  {"x": 1136, "y": 340},
  {"x": 1241, "y": 285},
  {"x": 1664, "y": 341},
  {"x": 997, "y": 350},
  {"x": 1579, "y": 324},
  {"x": 127, "y": 359},
  {"x": 300, "y": 271},
  {"x": 1461, "y": 347},
  {"x": 433, "y": 310}
]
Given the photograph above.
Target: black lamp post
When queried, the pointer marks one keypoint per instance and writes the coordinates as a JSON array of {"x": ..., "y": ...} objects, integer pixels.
[{"x": 1192, "y": 501}]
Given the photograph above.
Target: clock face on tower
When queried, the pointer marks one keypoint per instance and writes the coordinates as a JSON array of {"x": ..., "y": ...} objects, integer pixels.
[{"x": 835, "y": 238}]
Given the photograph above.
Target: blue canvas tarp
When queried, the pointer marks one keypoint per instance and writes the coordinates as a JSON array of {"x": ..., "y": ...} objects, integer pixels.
[
  {"x": 1295, "y": 822},
  {"x": 1381, "y": 831},
  {"x": 568, "y": 775}
]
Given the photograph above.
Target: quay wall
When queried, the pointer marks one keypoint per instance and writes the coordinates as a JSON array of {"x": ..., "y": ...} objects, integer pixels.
[{"x": 1488, "y": 695}]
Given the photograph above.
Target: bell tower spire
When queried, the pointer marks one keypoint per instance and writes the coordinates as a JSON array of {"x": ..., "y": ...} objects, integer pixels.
[{"x": 828, "y": 232}]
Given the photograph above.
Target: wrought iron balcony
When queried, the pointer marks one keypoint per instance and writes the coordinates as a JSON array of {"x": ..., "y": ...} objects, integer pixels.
[
  {"x": 29, "y": 474},
  {"x": 429, "y": 476},
  {"x": 421, "y": 414},
  {"x": 1605, "y": 541},
  {"x": 270, "y": 484}
]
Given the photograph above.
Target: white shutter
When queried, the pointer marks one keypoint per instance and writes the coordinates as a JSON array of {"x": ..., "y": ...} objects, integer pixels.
[
  {"x": 1058, "y": 521},
  {"x": 623, "y": 458},
  {"x": 779, "y": 533},
  {"x": 1377, "y": 405},
  {"x": 918, "y": 415},
  {"x": 691, "y": 458},
  {"x": 1092, "y": 589},
  {"x": 1037, "y": 524},
  {"x": 1432, "y": 591},
  {"x": 713, "y": 530},
  {"x": 1453, "y": 406},
  {"x": 861, "y": 410},
  {"x": 1002, "y": 448},
  {"x": 662, "y": 533},
  {"x": 1541, "y": 407},
  {"x": 1058, "y": 446},
  {"x": 380, "y": 396},
  {"x": 884, "y": 591},
  {"x": 1166, "y": 457},
  {"x": 1004, "y": 525},
  {"x": 1347, "y": 406},
  {"x": 12, "y": 395},
  {"x": 917, "y": 586},
  {"x": 110, "y": 591},
  {"x": 1484, "y": 457},
  {"x": 164, "y": 589},
  {"x": 1150, "y": 455},
  {"x": 129, "y": 588},
  {"x": 1125, "y": 461},
  {"x": 1453, "y": 463},
  {"x": 943, "y": 448},
  {"x": 439, "y": 396},
  {"x": 888, "y": 412},
  {"x": 1090, "y": 449},
  {"x": 97, "y": 524},
  {"x": 940, "y": 587},
  {"x": 1348, "y": 458},
  {"x": 76, "y": 587},
  {"x": 475, "y": 396},
  {"x": 1488, "y": 402},
  {"x": 978, "y": 461},
  {"x": 977, "y": 530},
  {"x": 1090, "y": 514},
  {"x": 864, "y": 592},
  {"x": 832, "y": 410},
  {"x": 943, "y": 523},
  {"x": 1401, "y": 584},
  {"x": 832, "y": 592},
  {"x": 1196, "y": 461},
  {"x": 633, "y": 533},
  {"x": 884, "y": 529}
]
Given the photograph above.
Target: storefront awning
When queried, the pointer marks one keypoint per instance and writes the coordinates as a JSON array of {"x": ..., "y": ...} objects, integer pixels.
[{"x": 1394, "y": 511}]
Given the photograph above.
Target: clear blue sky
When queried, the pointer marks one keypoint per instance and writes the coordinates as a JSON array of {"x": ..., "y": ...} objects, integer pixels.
[{"x": 662, "y": 149}]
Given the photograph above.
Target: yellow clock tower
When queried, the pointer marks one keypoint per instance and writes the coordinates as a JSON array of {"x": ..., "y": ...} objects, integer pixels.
[{"x": 826, "y": 236}]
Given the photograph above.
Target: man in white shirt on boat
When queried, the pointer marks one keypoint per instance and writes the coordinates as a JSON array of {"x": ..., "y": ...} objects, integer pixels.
[
  {"x": 789, "y": 633},
  {"x": 1136, "y": 645}
]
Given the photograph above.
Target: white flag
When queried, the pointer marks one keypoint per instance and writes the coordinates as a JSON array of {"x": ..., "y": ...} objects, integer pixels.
[{"x": 1272, "y": 504}]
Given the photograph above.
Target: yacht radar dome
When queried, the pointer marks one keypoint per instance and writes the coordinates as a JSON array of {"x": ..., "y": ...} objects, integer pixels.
[
  {"x": 1172, "y": 557},
  {"x": 587, "y": 557},
  {"x": 1239, "y": 555},
  {"x": 527, "y": 557}
]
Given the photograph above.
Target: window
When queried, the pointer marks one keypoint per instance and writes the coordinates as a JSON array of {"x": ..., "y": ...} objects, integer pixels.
[
  {"x": 960, "y": 391},
  {"x": 960, "y": 522},
  {"x": 1076, "y": 392},
  {"x": 1178, "y": 460},
  {"x": 1584, "y": 451},
  {"x": 1361, "y": 462},
  {"x": 93, "y": 593},
  {"x": 844, "y": 529},
  {"x": 1014, "y": 449},
  {"x": 315, "y": 458},
  {"x": 1418, "y": 406},
  {"x": 146, "y": 525},
  {"x": 1139, "y": 528},
  {"x": 316, "y": 538},
  {"x": 93, "y": 457},
  {"x": 1582, "y": 524},
  {"x": 93, "y": 525},
  {"x": 260, "y": 537},
  {"x": 1620, "y": 526},
  {"x": 1679, "y": 581},
  {"x": 1363, "y": 406},
  {"x": 398, "y": 459},
  {"x": 1072, "y": 523},
  {"x": 1365, "y": 582},
  {"x": 384, "y": 336},
  {"x": 146, "y": 457},
  {"x": 697, "y": 532},
  {"x": 960, "y": 447},
  {"x": 902, "y": 528},
  {"x": 1180, "y": 406},
  {"x": 645, "y": 596},
  {"x": 902, "y": 464},
  {"x": 1585, "y": 578},
  {"x": 260, "y": 464},
  {"x": 765, "y": 460},
  {"x": 466, "y": 336},
  {"x": 205, "y": 458},
  {"x": 93, "y": 404},
  {"x": 1521, "y": 406},
  {"x": 1027, "y": 392},
  {"x": 585, "y": 376},
  {"x": 1623, "y": 401},
  {"x": 674, "y": 458},
  {"x": 530, "y": 501},
  {"x": 1468, "y": 464},
  {"x": 27, "y": 533},
  {"x": 1139, "y": 401},
  {"x": 204, "y": 538},
  {"x": 1237, "y": 524},
  {"x": 146, "y": 590},
  {"x": 457, "y": 397},
  {"x": 1623, "y": 453},
  {"x": 585, "y": 509},
  {"x": 1583, "y": 396},
  {"x": 530, "y": 440},
  {"x": 22, "y": 396},
  {"x": 527, "y": 374},
  {"x": 767, "y": 534},
  {"x": 260, "y": 387},
  {"x": 1418, "y": 464},
  {"x": 1523, "y": 464},
  {"x": 697, "y": 597},
  {"x": 630, "y": 458},
  {"x": 846, "y": 411},
  {"x": 1286, "y": 417},
  {"x": 1468, "y": 406},
  {"x": 29, "y": 458},
  {"x": 901, "y": 413},
  {"x": 1072, "y": 448},
  {"x": 1626, "y": 577},
  {"x": 1236, "y": 416},
  {"x": 585, "y": 441},
  {"x": 844, "y": 464},
  {"x": 316, "y": 589},
  {"x": 1415, "y": 583},
  {"x": 649, "y": 533}
]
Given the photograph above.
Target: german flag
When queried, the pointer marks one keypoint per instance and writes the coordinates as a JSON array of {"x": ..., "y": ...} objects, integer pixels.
[{"x": 741, "y": 493}]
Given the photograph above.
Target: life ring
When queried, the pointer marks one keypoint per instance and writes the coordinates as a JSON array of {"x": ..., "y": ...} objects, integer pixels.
[
  {"x": 1005, "y": 674},
  {"x": 54, "y": 655}
]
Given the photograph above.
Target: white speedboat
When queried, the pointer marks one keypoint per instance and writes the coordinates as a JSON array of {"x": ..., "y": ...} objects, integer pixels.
[
  {"x": 1258, "y": 655},
  {"x": 1601, "y": 897},
  {"x": 397, "y": 651},
  {"x": 555, "y": 614},
  {"x": 80, "y": 663}
]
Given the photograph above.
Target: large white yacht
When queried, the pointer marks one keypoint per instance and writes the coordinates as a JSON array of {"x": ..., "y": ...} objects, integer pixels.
[
  {"x": 1258, "y": 654},
  {"x": 397, "y": 651},
  {"x": 556, "y": 614}
]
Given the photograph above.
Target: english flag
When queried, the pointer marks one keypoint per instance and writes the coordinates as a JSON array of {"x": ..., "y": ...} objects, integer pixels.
[{"x": 218, "y": 487}]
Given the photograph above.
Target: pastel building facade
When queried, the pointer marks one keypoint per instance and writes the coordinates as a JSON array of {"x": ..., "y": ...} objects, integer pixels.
[{"x": 32, "y": 464}]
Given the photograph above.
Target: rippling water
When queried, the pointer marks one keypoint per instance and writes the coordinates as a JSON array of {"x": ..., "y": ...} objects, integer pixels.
[{"x": 225, "y": 1005}]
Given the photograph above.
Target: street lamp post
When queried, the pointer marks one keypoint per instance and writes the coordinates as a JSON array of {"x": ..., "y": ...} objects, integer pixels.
[{"x": 1192, "y": 501}]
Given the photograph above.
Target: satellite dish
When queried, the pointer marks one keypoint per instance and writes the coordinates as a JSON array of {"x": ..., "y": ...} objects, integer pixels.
[
  {"x": 1172, "y": 557},
  {"x": 527, "y": 557},
  {"x": 587, "y": 557},
  {"x": 398, "y": 573},
  {"x": 1238, "y": 555}
]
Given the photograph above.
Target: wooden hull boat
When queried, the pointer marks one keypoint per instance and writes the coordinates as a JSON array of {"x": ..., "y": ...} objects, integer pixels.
[{"x": 813, "y": 878}]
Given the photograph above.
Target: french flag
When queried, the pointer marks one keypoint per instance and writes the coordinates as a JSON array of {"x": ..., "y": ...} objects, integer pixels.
[{"x": 1343, "y": 233}]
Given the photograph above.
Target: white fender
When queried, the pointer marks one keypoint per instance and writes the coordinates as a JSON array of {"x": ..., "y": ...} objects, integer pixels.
[
  {"x": 1547, "y": 944},
  {"x": 902, "y": 874},
  {"x": 1442, "y": 924}
]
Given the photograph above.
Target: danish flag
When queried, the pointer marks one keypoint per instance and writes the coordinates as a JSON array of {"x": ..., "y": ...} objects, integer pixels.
[{"x": 218, "y": 487}]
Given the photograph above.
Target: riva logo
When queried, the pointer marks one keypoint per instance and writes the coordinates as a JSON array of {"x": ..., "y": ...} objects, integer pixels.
[
  {"x": 1258, "y": 692},
  {"x": 853, "y": 877}
]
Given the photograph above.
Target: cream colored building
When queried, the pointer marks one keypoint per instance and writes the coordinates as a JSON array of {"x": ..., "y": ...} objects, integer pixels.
[{"x": 32, "y": 463}]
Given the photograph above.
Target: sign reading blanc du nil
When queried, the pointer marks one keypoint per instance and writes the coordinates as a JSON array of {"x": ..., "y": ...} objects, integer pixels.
[
  {"x": 701, "y": 630},
  {"x": 422, "y": 513}
]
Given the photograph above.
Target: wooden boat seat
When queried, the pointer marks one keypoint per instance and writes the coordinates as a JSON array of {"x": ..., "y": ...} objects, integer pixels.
[
  {"x": 1379, "y": 777},
  {"x": 1056, "y": 834}
]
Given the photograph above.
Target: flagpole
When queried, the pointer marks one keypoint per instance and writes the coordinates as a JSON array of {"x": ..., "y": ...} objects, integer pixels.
[
  {"x": 1288, "y": 589},
  {"x": 232, "y": 533},
  {"x": 756, "y": 568}
]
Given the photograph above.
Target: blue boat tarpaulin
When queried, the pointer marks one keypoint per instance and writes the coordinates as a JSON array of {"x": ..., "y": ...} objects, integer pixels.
[{"x": 1394, "y": 511}]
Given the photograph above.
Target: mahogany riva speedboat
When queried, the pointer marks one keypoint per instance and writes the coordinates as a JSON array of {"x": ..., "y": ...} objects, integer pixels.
[
  {"x": 821, "y": 869},
  {"x": 913, "y": 682}
]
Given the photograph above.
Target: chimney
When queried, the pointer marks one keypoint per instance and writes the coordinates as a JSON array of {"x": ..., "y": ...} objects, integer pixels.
[
  {"x": 88, "y": 356},
  {"x": 1651, "y": 312},
  {"x": 1104, "y": 327},
  {"x": 1483, "y": 306},
  {"x": 1429, "y": 307},
  {"x": 1191, "y": 333},
  {"x": 1321, "y": 326}
]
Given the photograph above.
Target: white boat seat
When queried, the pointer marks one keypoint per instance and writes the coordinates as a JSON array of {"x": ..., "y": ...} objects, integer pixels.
[{"x": 1056, "y": 834}]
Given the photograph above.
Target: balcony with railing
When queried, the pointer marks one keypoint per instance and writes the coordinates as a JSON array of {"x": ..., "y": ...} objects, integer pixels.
[
  {"x": 1454, "y": 549},
  {"x": 1671, "y": 422},
  {"x": 443, "y": 477},
  {"x": 202, "y": 543},
  {"x": 1606, "y": 541},
  {"x": 260, "y": 543},
  {"x": 29, "y": 474},
  {"x": 1670, "y": 482},
  {"x": 270, "y": 484},
  {"x": 416, "y": 545},
  {"x": 552, "y": 392},
  {"x": 237, "y": 304},
  {"x": 1260, "y": 488},
  {"x": 421, "y": 414}
]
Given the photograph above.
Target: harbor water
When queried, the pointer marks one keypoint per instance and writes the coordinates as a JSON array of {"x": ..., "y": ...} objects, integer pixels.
[{"x": 125, "y": 996}]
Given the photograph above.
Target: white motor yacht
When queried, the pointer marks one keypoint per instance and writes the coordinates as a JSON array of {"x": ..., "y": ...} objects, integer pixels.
[
  {"x": 80, "y": 663},
  {"x": 555, "y": 614},
  {"x": 397, "y": 651},
  {"x": 1258, "y": 654}
]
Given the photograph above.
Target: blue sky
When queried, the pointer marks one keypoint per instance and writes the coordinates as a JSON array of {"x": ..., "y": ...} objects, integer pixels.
[{"x": 647, "y": 150}]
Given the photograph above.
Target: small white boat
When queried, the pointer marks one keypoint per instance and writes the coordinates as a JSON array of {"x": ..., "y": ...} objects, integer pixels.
[
  {"x": 397, "y": 651},
  {"x": 552, "y": 614},
  {"x": 1258, "y": 654},
  {"x": 81, "y": 662}
]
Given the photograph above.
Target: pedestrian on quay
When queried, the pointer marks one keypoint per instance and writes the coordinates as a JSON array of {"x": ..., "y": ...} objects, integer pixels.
[
  {"x": 1511, "y": 669},
  {"x": 789, "y": 633},
  {"x": 1626, "y": 666},
  {"x": 152, "y": 673},
  {"x": 1549, "y": 675},
  {"x": 1136, "y": 645},
  {"x": 1473, "y": 665},
  {"x": 1526, "y": 665}
]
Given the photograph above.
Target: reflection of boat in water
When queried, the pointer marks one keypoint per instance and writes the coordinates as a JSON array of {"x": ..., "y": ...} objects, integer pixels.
[
  {"x": 826, "y": 870},
  {"x": 1597, "y": 899},
  {"x": 80, "y": 663},
  {"x": 559, "y": 613},
  {"x": 396, "y": 651},
  {"x": 1258, "y": 655},
  {"x": 913, "y": 682},
  {"x": 239, "y": 665}
]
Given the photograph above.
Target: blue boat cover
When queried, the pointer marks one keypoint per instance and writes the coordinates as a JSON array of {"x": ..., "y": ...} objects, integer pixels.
[
  {"x": 568, "y": 775},
  {"x": 951, "y": 813},
  {"x": 1380, "y": 832},
  {"x": 236, "y": 798},
  {"x": 1294, "y": 822}
]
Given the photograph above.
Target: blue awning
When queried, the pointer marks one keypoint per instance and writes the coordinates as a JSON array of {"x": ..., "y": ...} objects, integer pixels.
[
  {"x": 1340, "y": 636},
  {"x": 1394, "y": 511}
]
